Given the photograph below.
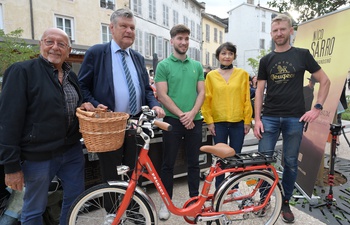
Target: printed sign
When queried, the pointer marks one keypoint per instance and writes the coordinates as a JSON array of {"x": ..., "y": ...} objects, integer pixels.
[{"x": 327, "y": 38}]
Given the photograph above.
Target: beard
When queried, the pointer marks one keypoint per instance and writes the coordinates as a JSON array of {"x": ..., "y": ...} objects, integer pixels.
[
  {"x": 179, "y": 51},
  {"x": 282, "y": 42}
]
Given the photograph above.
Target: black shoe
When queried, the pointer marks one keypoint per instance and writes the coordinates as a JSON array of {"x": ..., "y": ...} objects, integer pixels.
[{"x": 287, "y": 215}]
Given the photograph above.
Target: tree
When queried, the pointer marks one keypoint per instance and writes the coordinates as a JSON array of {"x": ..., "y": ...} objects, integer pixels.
[
  {"x": 308, "y": 9},
  {"x": 14, "y": 49},
  {"x": 254, "y": 62}
]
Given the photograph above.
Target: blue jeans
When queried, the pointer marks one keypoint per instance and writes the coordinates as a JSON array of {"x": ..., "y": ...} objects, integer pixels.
[
  {"x": 171, "y": 144},
  {"x": 235, "y": 133},
  {"x": 292, "y": 133},
  {"x": 68, "y": 166}
]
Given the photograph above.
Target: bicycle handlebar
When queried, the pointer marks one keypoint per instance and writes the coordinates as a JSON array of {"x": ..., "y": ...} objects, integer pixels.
[
  {"x": 163, "y": 125},
  {"x": 149, "y": 115}
]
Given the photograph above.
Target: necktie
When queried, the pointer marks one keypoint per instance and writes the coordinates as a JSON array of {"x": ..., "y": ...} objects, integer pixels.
[{"x": 132, "y": 92}]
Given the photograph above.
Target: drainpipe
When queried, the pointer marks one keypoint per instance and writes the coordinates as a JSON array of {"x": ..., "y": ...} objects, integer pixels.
[{"x": 31, "y": 18}]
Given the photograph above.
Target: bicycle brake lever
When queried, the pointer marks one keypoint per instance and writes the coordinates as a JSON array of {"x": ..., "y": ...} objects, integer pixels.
[{"x": 152, "y": 132}]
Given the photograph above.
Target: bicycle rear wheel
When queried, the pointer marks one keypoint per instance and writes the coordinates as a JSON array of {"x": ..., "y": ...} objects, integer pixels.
[
  {"x": 98, "y": 205},
  {"x": 246, "y": 190}
]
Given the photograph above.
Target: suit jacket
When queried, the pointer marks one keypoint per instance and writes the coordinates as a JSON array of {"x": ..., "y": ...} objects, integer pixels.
[{"x": 96, "y": 77}]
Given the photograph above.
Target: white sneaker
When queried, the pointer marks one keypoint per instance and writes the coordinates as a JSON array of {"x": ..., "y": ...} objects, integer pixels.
[
  {"x": 237, "y": 194},
  {"x": 164, "y": 213}
]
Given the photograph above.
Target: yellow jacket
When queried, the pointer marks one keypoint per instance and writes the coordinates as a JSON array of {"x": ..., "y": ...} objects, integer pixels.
[{"x": 227, "y": 101}]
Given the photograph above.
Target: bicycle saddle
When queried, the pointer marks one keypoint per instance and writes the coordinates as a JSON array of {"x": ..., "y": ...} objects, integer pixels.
[{"x": 220, "y": 149}]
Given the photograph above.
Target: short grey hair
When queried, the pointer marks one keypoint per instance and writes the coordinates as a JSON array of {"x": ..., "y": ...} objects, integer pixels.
[{"x": 123, "y": 12}]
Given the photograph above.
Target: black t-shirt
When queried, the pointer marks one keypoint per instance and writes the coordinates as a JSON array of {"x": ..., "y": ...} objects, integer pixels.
[{"x": 284, "y": 73}]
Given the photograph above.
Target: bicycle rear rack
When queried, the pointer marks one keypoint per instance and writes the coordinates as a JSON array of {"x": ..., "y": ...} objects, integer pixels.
[{"x": 249, "y": 159}]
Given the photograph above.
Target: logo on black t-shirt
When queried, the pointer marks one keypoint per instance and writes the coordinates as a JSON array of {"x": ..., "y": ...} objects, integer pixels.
[{"x": 281, "y": 72}]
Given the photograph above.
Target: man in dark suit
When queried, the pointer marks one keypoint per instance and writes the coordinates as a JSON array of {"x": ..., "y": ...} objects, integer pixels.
[{"x": 103, "y": 81}]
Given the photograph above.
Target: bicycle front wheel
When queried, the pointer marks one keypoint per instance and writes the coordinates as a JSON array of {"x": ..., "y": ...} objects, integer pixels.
[
  {"x": 248, "y": 190},
  {"x": 98, "y": 206}
]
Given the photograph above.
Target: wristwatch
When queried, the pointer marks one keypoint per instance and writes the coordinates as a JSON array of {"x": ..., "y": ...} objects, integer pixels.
[{"x": 318, "y": 106}]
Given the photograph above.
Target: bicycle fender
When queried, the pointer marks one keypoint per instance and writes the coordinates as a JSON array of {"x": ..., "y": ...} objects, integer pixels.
[{"x": 229, "y": 179}]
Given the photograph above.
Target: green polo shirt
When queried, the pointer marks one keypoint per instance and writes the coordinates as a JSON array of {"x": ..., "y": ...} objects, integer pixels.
[{"x": 182, "y": 78}]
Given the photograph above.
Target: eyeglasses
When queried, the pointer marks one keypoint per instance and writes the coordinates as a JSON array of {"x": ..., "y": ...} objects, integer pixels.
[{"x": 50, "y": 43}]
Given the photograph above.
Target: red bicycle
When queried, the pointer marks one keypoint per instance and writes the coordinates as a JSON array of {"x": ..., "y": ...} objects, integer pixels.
[{"x": 250, "y": 194}]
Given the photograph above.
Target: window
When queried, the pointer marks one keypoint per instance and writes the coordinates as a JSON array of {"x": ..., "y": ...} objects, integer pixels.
[
  {"x": 207, "y": 58},
  {"x": 250, "y": 2},
  {"x": 186, "y": 21},
  {"x": 151, "y": 42},
  {"x": 216, "y": 35},
  {"x": 66, "y": 24},
  {"x": 138, "y": 41},
  {"x": 199, "y": 32},
  {"x": 194, "y": 53},
  {"x": 106, "y": 34},
  {"x": 1, "y": 18},
  {"x": 166, "y": 48},
  {"x": 137, "y": 7},
  {"x": 152, "y": 9},
  {"x": 165, "y": 15},
  {"x": 207, "y": 32},
  {"x": 263, "y": 26},
  {"x": 175, "y": 17},
  {"x": 193, "y": 29},
  {"x": 108, "y": 4},
  {"x": 220, "y": 37},
  {"x": 264, "y": 13},
  {"x": 186, "y": 3},
  {"x": 262, "y": 43},
  {"x": 214, "y": 60}
]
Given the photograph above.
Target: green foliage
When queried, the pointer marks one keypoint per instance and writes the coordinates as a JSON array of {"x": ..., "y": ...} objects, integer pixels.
[
  {"x": 346, "y": 115},
  {"x": 14, "y": 49},
  {"x": 308, "y": 9},
  {"x": 254, "y": 62}
]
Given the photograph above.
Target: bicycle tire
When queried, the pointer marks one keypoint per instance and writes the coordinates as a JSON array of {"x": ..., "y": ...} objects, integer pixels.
[
  {"x": 246, "y": 183},
  {"x": 89, "y": 208}
]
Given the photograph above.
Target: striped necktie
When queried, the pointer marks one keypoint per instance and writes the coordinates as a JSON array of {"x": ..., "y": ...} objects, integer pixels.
[{"x": 132, "y": 91}]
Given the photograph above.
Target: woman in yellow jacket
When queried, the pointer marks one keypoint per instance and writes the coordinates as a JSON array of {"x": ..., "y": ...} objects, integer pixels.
[{"x": 227, "y": 108}]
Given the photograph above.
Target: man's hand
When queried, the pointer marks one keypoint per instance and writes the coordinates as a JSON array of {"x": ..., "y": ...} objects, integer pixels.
[
  {"x": 15, "y": 181},
  {"x": 258, "y": 129},
  {"x": 159, "y": 110},
  {"x": 311, "y": 115},
  {"x": 87, "y": 106},
  {"x": 187, "y": 120}
]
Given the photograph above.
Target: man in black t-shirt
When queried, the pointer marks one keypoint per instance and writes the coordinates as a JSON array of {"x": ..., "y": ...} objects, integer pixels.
[{"x": 284, "y": 108}]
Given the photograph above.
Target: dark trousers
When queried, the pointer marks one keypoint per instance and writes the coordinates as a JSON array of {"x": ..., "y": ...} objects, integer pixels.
[
  {"x": 126, "y": 155},
  {"x": 171, "y": 144}
]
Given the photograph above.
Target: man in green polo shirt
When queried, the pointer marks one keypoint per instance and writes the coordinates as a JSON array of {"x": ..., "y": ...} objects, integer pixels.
[{"x": 180, "y": 88}]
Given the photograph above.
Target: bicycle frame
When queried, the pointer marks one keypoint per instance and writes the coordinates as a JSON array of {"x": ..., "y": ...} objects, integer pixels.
[{"x": 193, "y": 206}]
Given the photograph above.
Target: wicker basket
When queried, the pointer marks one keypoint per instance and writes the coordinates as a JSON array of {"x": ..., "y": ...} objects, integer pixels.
[{"x": 102, "y": 131}]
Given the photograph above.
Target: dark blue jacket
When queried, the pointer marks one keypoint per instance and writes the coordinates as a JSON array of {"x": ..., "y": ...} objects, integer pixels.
[
  {"x": 96, "y": 77},
  {"x": 32, "y": 114}
]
